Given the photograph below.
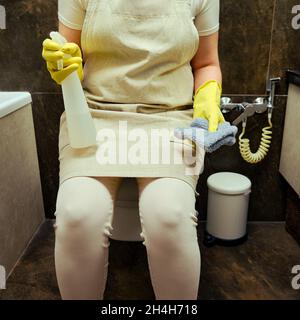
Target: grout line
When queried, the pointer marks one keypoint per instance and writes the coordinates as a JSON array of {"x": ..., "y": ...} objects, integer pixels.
[
  {"x": 203, "y": 221},
  {"x": 250, "y": 95},
  {"x": 271, "y": 40},
  {"x": 45, "y": 92},
  {"x": 256, "y": 222},
  {"x": 26, "y": 247},
  {"x": 266, "y": 222}
]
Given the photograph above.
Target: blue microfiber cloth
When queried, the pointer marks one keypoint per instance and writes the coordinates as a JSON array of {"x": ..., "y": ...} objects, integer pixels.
[{"x": 210, "y": 141}]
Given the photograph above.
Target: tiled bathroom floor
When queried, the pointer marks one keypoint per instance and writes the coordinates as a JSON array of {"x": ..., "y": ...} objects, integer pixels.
[{"x": 258, "y": 269}]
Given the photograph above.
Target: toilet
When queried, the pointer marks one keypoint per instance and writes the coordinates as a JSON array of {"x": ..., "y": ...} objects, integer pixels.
[{"x": 126, "y": 221}]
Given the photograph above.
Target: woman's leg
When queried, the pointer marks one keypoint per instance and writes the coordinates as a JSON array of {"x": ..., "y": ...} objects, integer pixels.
[
  {"x": 169, "y": 220},
  {"x": 84, "y": 212}
]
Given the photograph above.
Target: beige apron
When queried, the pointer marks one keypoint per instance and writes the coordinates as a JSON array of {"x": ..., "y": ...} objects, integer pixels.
[{"x": 137, "y": 70}]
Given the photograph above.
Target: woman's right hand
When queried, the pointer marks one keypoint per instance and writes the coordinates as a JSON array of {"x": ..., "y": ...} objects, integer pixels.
[{"x": 52, "y": 52}]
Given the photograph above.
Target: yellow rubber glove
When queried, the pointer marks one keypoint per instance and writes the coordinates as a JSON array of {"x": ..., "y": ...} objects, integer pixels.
[
  {"x": 52, "y": 52},
  {"x": 207, "y": 104}
]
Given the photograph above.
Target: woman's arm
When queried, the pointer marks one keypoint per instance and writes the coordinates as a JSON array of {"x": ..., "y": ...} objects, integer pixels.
[
  {"x": 208, "y": 82},
  {"x": 71, "y": 35},
  {"x": 205, "y": 63}
]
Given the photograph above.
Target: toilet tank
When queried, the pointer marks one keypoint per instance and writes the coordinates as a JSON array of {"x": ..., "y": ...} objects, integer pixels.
[{"x": 21, "y": 202}]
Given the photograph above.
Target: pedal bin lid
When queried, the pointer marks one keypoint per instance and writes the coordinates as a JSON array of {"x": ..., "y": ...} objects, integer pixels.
[{"x": 229, "y": 183}]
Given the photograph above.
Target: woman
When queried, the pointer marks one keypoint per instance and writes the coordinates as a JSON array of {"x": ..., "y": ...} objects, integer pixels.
[{"x": 143, "y": 61}]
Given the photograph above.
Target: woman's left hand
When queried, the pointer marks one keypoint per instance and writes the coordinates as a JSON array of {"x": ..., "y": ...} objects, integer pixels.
[{"x": 207, "y": 104}]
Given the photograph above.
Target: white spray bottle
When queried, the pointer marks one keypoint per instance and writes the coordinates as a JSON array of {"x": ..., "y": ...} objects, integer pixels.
[{"x": 81, "y": 128}]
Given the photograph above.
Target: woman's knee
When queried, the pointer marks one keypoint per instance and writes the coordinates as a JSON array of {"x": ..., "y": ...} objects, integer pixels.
[
  {"x": 88, "y": 205},
  {"x": 168, "y": 225},
  {"x": 168, "y": 200},
  {"x": 169, "y": 214},
  {"x": 167, "y": 210},
  {"x": 73, "y": 214}
]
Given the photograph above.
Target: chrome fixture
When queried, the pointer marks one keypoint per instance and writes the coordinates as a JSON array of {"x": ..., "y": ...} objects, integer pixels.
[
  {"x": 271, "y": 86},
  {"x": 227, "y": 105},
  {"x": 259, "y": 105}
]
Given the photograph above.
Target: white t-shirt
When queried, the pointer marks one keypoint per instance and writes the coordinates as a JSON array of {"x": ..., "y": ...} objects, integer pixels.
[{"x": 206, "y": 12}]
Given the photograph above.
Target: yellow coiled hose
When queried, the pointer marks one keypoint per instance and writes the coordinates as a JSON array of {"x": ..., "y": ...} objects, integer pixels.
[{"x": 260, "y": 154}]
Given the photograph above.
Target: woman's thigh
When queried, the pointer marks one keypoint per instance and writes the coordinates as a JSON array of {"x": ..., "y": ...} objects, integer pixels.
[
  {"x": 75, "y": 187},
  {"x": 171, "y": 186}
]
